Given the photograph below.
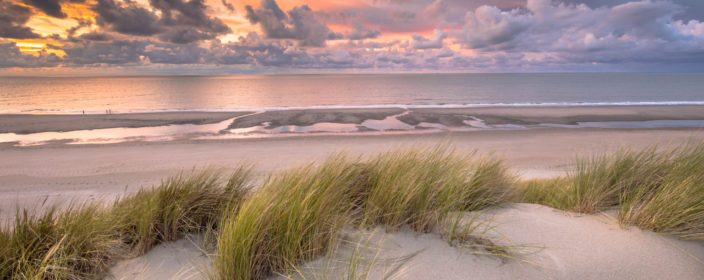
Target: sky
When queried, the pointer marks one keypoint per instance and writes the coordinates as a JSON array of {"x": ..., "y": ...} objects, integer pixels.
[{"x": 96, "y": 37}]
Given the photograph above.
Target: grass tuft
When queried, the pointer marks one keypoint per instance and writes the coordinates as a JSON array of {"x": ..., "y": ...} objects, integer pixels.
[
  {"x": 75, "y": 244},
  {"x": 292, "y": 218},
  {"x": 675, "y": 205},
  {"x": 420, "y": 187},
  {"x": 81, "y": 241},
  {"x": 297, "y": 214},
  {"x": 181, "y": 204},
  {"x": 658, "y": 190}
]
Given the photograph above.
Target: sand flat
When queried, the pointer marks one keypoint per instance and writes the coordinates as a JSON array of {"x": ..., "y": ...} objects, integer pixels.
[
  {"x": 449, "y": 117},
  {"x": 40, "y": 175},
  {"x": 27, "y": 123}
]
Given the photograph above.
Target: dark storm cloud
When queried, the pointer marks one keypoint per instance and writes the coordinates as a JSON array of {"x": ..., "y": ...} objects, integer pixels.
[
  {"x": 128, "y": 18},
  {"x": 49, "y": 7},
  {"x": 180, "y": 22},
  {"x": 12, "y": 20},
  {"x": 300, "y": 23},
  {"x": 189, "y": 13}
]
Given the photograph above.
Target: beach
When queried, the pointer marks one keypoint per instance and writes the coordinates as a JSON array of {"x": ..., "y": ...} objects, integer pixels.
[
  {"x": 357, "y": 139},
  {"x": 55, "y": 173}
]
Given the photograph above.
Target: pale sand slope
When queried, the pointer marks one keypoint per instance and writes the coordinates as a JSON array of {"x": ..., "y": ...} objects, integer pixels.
[
  {"x": 556, "y": 245},
  {"x": 61, "y": 173},
  {"x": 181, "y": 259}
]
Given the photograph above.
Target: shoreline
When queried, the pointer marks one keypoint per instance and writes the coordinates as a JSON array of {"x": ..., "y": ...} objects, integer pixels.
[{"x": 307, "y": 121}]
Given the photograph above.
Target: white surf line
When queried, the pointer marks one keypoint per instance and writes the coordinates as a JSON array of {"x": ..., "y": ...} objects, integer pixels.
[{"x": 372, "y": 106}]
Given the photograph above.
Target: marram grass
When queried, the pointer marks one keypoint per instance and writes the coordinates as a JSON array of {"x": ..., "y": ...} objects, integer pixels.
[
  {"x": 659, "y": 190},
  {"x": 296, "y": 215},
  {"x": 292, "y": 218},
  {"x": 179, "y": 205},
  {"x": 74, "y": 244},
  {"x": 82, "y": 241},
  {"x": 674, "y": 203},
  {"x": 420, "y": 187}
]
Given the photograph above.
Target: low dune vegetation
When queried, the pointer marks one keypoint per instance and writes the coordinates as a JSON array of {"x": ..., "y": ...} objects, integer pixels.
[
  {"x": 656, "y": 189},
  {"x": 81, "y": 241},
  {"x": 296, "y": 215}
]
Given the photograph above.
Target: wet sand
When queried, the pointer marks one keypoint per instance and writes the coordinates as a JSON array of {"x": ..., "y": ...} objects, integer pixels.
[
  {"x": 25, "y": 124},
  {"x": 449, "y": 117}
]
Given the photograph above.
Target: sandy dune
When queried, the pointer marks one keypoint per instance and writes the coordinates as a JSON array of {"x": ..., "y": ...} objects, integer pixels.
[{"x": 548, "y": 244}]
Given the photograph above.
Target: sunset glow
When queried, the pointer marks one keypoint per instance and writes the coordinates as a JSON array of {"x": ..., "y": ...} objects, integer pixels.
[{"x": 226, "y": 36}]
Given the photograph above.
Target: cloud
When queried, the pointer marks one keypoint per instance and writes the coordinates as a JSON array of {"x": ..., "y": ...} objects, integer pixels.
[
  {"x": 95, "y": 36},
  {"x": 50, "y": 7},
  {"x": 228, "y": 6},
  {"x": 190, "y": 13},
  {"x": 633, "y": 32},
  {"x": 10, "y": 56},
  {"x": 522, "y": 35},
  {"x": 113, "y": 53},
  {"x": 360, "y": 32},
  {"x": 490, "y": 27},
  {"x": 12, "y": 21},
  {"x": 300, "y": 23},
  {"x": 127, "y": 18},
  {"x": 177, "y": 21},
  {"x": 420, "y": 42}
]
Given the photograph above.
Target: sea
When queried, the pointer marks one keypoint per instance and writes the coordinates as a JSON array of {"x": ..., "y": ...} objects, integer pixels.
[
  {"x": 124, "y": 94},
  {"x": 259, "y": 93}
]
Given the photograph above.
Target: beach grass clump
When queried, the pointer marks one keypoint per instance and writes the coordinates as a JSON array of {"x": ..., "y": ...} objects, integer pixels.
[
  {"x": 297, "y": 214},
  {"x": 419, "y": 187},
  {"x": 181, "y": 204},
  {"x": 675, "y": 205},
  {"x": 74, "y": 244},
  {"x": 658, "y": 190},
  {"x": 82, "y": 240},
  {"x": 552, "y": 192},
  {"x": 600, "y": 182},
  {"x": 292, "y": 218}
]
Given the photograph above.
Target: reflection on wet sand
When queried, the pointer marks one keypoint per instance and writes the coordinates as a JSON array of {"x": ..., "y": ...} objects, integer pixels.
[{"x": 391, "y": 124}]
